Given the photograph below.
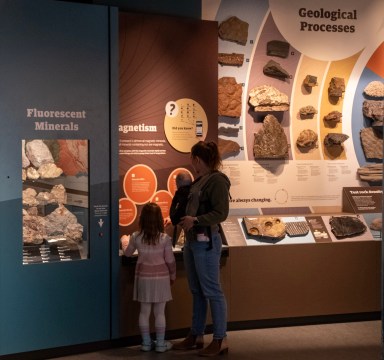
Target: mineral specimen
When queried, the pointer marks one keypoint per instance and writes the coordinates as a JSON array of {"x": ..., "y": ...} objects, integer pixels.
[
  {"x": 49, "y": 171},
  {"x": 270, "y": 227},
  {"x": 310, "y": 81},
  {"x": 25, "y": 161},
  {"x": 336, "y": 87},
  {"x": 307, "y": 138},
  {"x": 374, "y": 109},
  {"x": 376, "y": 224},
  {"x": 333, "y": 117},
  {"x": 32, "y": 173},
  {"x": 231, "y": 59},
  {"x": 307, "y": 111},
  {"x": 371, "y": 172},
  {"x": 274, "y": 69},
  {"x": 234, "y": 29},
  {"x": 372, "y": 142},
  {"x": 72, "y": 156},
  {"x": 228, "y": 131},
  {"x": 346, "y": 226},
  {"x": 268, "y": 98},
  {"x": 335, "y": 139},
  {"x": 228, "y": 147},
  {"x": 278, "y": 48},
  {"x": 229, "y": 97},
  {"x": 375, "y": 89},
  {"x": 270, "y": 141},
  {"x": 38, "y": 153}
]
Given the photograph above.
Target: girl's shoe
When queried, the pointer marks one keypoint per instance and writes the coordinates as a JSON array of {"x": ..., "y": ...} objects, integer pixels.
[
  {"x": 163, "y": 347},
  {"x": 147, "y": 347},
  {"x": 190, "y": 342}
]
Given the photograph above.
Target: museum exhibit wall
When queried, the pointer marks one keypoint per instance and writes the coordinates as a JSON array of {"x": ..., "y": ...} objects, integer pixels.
[{"x": 295, "y": 123}]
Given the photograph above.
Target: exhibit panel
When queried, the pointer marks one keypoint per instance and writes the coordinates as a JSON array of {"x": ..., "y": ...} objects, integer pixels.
[{"x": 55, "y": 198}]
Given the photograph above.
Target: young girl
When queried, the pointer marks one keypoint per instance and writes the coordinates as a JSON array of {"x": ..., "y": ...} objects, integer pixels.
[{"x": 155, "y": 273}]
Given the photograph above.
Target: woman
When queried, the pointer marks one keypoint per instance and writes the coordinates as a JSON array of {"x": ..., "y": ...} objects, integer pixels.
[{"x": 207, "y": 207}]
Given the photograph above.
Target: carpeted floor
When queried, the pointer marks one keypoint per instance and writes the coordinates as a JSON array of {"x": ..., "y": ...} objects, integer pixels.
[{"x": 352, "y": 341}]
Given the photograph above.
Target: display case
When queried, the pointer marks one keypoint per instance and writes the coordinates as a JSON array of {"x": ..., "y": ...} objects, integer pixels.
[{"x": 55, "y": 198}]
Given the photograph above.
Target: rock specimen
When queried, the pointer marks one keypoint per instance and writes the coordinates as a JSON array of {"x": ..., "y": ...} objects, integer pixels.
[
  {"x": 270, "y": 227},
  {"x": 297, "y": 228},
  {"x": 375, "y": 89},
  {"x": 228, "y": 148},
  {"x": 229, "y": 97},
  {"x": 228, "y": 131},
  {"x": 58, "y": 220},
  {"x": 234, "y": 29},
  {"x": 38, "y": 153},
  {"x": 376, "y": 224},
  {"x": 310, "y": 81},
  {"x": 32, "y": 173},
  {"x": 336, "y": 87},
  {"x": 24, "y": 159},
  {"x": 374, "y": 109},
  {"x": 268, "y": 98},
  {"x": 231, "y": 59},
  {"x": 333, "y": 117},
  {"x": 72, "y": 156},
  {"x": 307, "y": 112},
  {"x": 372, "y": 141},
  {"x": 371, "y": 172},
  {"x": 278, "y": 48},
  {"x": 346, "y": 226},
  {"x": 49, "y": 171},
  {"x": 274, "y": 69},
  {"x": 57, "y": 195},
  {"x": 335, "y": 139},
  {"x": 307, "y": 139},
  {"x": 270, "y": 141},
  {"x": 29, "y": 197}
]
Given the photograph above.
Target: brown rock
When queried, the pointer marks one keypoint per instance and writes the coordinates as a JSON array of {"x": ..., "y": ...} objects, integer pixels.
[
  {"x": 234, "y": 29},
  {"x": 270, "y": 142},
  {"x": 307, "y": 138},
  {"x": 228, "y": 148},
  {"x": 231, "y": 59},
  {"x": 229, "y": 97},
  {"x": 336, "y": 87},
  {"x": 274, "y": 69},
  {"x": 372, "y": 142}
]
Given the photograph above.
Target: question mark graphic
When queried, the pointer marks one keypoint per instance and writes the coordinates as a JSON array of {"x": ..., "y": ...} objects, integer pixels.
[{"x": 172, "y": 108}]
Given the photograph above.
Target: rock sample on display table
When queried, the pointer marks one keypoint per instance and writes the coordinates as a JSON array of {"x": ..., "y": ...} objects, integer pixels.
[
  {"x": 374, "y": 109},
  {"x": 268, "y": 227},
  {"x": 33, "y": 228},
  {"x": 335, "y": 139},
  {"x": 333, "y": 118},
  {"x": 57, "y": 195},
  {"x": 234, "y": 29},
  {"x": 307, "y": 139},
  {"x": 274, "y": 69},
  {"x": 374, "y": 89},
  {"x": 228, "y": 148},
  {"x": 29, "y": 197},
  {"x": 376, "y": 224},
  {"x": 229, "y": 97},
  {"x": 310, "y": 81},
  {"x": 336, "y": 87},
  {"x": 231, "y": 59},
  {"x": 346, "y": 226},
  {"x": 372, "y": 141},
  {"x": 371, "y": 172},
  {"x": 307, "y": 112},
  {"x": 270, "y": 142},
  {"x": 296, "y": 228},
  {"x": 278, "y": 48},
  {"x": 32, "y": 173},
  {"x": 268, "y": 98}
]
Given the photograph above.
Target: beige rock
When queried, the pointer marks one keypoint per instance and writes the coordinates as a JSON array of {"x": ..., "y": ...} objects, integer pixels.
[
  {"x": 375, "y": 89},
  {"x": 268, "y": 98},
  {"x": 229, "y": 97}
]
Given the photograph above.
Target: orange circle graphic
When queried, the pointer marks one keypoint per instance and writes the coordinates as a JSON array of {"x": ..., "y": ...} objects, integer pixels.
[{"x": 127, "y": 212}]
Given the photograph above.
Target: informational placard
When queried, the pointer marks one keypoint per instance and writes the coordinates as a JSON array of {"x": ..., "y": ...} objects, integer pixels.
[
  {"x": 359, "y": 200},
  {"x": 168, "y": 102},
  {"x": 309, "y": 69}
]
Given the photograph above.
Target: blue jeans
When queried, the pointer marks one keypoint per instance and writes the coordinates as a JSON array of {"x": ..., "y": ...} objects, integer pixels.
[{"x": 203, "y": 271}]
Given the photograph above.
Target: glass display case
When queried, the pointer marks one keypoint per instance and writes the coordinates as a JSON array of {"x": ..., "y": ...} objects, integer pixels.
[{"x": 55, "y": 199}]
